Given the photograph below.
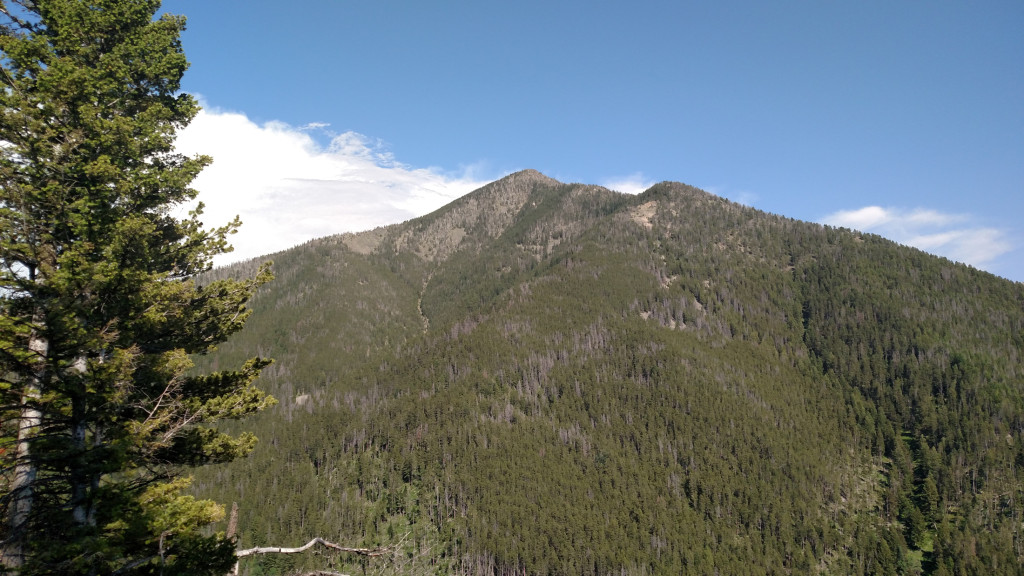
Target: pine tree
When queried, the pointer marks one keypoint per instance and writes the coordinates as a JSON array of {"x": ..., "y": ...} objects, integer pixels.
[{"x": 100, "y": 410}]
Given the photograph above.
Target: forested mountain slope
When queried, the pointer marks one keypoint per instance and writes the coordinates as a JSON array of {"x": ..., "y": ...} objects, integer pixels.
[{"x": 557, "y": 378}]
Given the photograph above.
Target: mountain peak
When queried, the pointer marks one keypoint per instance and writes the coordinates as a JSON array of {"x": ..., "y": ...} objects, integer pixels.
[{"x": 530, "y": 176}]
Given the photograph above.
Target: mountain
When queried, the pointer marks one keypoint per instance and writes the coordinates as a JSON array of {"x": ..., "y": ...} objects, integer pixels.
[{"x": 549, "y": 378}]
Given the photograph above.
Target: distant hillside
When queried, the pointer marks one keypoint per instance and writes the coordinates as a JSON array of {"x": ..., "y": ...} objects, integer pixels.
[{"x": 548, "y": 378}]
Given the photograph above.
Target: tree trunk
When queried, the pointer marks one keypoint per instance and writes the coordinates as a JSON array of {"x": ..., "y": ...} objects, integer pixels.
[
  {"x": 22, "y": 487},
  {"x": 232, "y": 532},
  {"x": 81, "y": 477}
]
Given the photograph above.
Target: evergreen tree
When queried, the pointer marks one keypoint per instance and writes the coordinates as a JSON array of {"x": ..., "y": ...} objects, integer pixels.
[{"x": 100, "y": 411}]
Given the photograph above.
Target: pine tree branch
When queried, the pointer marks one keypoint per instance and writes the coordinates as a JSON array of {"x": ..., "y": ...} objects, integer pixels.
[{"x": 134, "y": 564}]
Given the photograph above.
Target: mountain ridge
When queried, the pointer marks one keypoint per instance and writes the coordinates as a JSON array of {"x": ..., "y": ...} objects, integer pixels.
[{"x": 558, "y": 378}]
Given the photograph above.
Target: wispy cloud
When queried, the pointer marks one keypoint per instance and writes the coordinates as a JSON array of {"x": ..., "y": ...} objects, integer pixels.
[
  {"x": 949, "y": 235},
  {"x": 287, "y": 188},
  {"x": 633, "y": 184},
  {"x": 744, "y": 197},
  {"x": 315, "y": 126}
]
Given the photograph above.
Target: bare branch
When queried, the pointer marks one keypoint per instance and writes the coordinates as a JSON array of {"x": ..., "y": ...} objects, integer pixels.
[{"x": 310, "y": 544}]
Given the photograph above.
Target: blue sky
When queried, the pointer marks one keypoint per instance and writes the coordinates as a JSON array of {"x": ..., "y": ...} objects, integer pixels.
[{"x": 900, "y": 118}]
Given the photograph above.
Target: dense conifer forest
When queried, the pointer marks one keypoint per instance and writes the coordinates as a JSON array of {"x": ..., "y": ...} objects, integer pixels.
[{"x": 548, "y": 378}]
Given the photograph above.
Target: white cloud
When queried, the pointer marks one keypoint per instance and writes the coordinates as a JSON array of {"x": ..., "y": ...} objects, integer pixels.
[
  {"x": 949, "y": 235},
  {"x": 632, "y": 184},
  {"x": 288, "y": 189},
  {"x": 862, "y": 219}
]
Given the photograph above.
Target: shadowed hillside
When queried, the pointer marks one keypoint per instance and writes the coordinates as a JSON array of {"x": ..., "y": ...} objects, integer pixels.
[{"x": 557, "y": 378}]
